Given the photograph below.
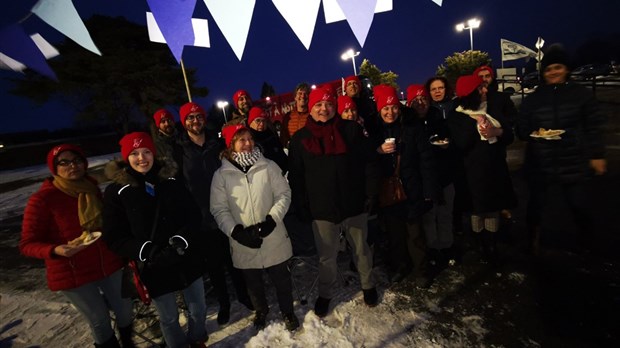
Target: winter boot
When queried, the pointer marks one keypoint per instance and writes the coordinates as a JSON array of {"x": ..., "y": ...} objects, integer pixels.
[
  {"x": 321, "y": 306},
  {"x": 112, "y": 342},
  {"x": 290, "y": 321},
  {"x": 491, "y": 246},
  {"x": 260, "y": 320},
  {"x": 223, "y": 316},
  {"x": 126, "y": 333}
]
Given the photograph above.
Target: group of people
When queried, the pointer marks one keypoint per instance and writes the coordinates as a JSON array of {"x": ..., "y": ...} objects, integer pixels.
[{"x": 187, "y": 202}]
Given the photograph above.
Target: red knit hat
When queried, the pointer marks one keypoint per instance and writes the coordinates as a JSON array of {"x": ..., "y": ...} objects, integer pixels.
[
  {"x": 415, "y": 90},
  {"x": 189, "y": 108},
  {"x": 162, "y": 113},
  {"x": 256, "y": 112},
  {"x": 467, "y": 84},
  {"x": 238, "y": 94},
  {"x": 56, "y": 150},
  {"x": 483, "y": 68},
  {"x": 352, "y": 78},
  {"x": 321, "y": 94},
  {"x": 385, "y": 95},
  {"x": 134, "y": 141},
  {"x": 345, "y": 102},
  {"x": 229, "y": 132}
]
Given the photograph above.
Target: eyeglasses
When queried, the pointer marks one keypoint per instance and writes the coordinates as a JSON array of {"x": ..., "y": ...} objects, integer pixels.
[
  {"x": 192, "y": 118},
  {"x": 65, "y": 163}
]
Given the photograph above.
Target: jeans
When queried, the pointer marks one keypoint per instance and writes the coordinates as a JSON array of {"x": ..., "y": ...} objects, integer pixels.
[
  {"x": 327, "y": 240},
  {"x": 194, "y": 297},
  {"x": 90, "y": 301}
]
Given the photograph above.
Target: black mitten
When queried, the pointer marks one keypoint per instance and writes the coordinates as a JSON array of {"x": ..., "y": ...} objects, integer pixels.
[
  {"x": 266, "y": 227},
  {"x": 248, "y": 236}
]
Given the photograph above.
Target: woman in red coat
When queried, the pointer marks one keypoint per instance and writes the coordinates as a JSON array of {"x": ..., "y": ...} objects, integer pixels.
[{"x": 65, "y": 206}]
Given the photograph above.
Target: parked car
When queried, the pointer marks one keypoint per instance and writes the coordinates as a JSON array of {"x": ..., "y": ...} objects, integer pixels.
[{"x": 590, "y": 71}]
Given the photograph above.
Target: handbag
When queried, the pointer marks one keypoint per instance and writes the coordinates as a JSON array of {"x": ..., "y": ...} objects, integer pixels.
[
  {"x": 143, "y": 292},
  {"x": 391, "y": 190}
]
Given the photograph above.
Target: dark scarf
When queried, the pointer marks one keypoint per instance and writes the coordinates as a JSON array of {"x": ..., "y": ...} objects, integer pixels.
[{"x": 326, "y": 134}]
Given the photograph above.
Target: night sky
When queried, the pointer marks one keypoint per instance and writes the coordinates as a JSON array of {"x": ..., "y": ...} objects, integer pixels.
[{"x": 411, "y": 40}]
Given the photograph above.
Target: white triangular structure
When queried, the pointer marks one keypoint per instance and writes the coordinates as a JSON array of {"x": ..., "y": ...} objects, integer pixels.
[
  {"x": 438, "y": 2},
  {"x": 200, "y": 26},
  {"x": 233, "y": 17},
  {"x": 333, "y": 12},
  {"x": 62, "y": 15},
  {"x": 300, "y": 16},
  {"x": 45, "y": 47},
  {"x": 359, "y": 14}
]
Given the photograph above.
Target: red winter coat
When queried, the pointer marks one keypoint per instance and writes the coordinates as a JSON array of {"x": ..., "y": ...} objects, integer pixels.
[{"x": 51, "y": 219}]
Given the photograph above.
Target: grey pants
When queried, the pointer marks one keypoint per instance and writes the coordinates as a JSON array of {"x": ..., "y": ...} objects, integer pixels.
[{"x": 327, "y": 240}]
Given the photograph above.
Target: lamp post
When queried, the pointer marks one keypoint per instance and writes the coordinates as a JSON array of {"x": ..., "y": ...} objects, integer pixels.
[
  {"x": 351, "y": 54},
  {"x": 222, "y": 105},
  {"x": 539, "y": 44},
  {"x": 472, "y": 24}
]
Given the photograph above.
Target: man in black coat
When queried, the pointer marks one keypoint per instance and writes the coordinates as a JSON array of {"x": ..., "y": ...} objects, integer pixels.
[
  {"x": 330, "y": 173},
  {"x": 197, "y": 155}
]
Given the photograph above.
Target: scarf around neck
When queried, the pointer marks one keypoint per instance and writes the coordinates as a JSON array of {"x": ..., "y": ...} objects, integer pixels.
[
  {"x": 89, "y": 203},
  {"x": 247, "y": 159},
  {"x": 326, "y": 134}
]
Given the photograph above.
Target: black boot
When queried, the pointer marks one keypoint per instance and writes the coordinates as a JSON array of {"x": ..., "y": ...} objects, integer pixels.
[
  {"x": 223, "y": 316},
  {"x": 126, "y": 334},
  {"x": 112, "y": 342},
  {"x": 491, "y": 246}
]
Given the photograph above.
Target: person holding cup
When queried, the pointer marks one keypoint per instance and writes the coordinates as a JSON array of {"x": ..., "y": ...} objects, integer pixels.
[{"x": 404, "y": 151}]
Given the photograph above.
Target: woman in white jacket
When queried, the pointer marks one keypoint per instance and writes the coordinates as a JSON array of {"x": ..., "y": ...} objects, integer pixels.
[{"x": 249, "y": 198}]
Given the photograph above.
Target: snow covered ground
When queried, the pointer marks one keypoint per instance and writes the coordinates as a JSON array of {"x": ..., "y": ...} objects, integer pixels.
[{"x": 471, "y": 304}]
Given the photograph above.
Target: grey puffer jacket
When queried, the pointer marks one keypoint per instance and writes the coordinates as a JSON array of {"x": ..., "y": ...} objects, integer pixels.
[{"x": 572, "y": 108}]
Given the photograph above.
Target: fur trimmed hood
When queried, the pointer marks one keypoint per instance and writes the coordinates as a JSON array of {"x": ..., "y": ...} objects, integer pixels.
[{"x": 118, "y": 171}]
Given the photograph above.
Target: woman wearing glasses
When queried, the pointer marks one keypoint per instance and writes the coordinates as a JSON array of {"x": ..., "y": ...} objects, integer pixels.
[{"x": 85, "y": 271}]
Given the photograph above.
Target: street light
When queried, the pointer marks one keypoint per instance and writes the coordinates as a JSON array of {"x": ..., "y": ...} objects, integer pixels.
[
  {"x": 351, "y": 54},
  {"x": 222, "y": 105},
  {"x": 472, "y": 24}
]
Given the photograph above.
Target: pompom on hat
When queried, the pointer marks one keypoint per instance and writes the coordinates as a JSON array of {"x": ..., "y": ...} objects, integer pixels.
[
  {"x": 415, "y": 90},
  {"x": 189, "y": 108},
  {"x": 134, "y": 141},
  {"x": 484, "y": 68},
  {"x": 345, "y": 102},
  {"x": 556, "y": 54},
  {"x": 385, "y": 95},
  {"x": 256, "y": 112},
  {"x": 162, "y": 113},
  {"x": 229, "y": 132},
  {"x": 238, "y": 94},
  {"x": 467, "y": 84},
  {"x": 56, "y": 150},
  {"x": 321, "y": 94}
]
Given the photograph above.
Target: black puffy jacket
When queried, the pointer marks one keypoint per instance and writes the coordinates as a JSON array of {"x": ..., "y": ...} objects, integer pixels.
[{"x": 566, "y": 106}]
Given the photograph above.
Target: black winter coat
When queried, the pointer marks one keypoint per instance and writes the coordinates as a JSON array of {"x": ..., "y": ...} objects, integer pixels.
[
  {"x": 418, "y": 169},
  {"x": 332, "y": 187},
  {"x": 128, "y": 218},
  {"x": 485, "y": 164},
  {"x": 197, "y": 165},
  {"x": 570, "y": 107}
]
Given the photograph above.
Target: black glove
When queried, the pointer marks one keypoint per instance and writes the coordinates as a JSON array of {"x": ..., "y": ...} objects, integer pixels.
[
  {"x": 266, "y": 227},
  {"x": 248, "y": 236}
]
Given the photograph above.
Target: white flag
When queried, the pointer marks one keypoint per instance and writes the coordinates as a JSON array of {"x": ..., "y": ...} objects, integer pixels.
[{"x": 512, "y": 50}]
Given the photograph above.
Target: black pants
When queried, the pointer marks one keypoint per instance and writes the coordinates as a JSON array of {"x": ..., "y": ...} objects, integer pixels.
[
  {"x": 280, "y": 277},
  {"x": 407, "y": 243},
  {"x": 218, "y": 260}
]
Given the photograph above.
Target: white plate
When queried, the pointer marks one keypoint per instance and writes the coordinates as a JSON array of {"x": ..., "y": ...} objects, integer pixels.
[
  {"x": 555, "y": 136},
  {"x": 95, "y": 236},
  {"x": 439, "y": 143}
]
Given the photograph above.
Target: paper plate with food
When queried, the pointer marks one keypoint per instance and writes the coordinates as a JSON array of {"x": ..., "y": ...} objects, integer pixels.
[
  {"x": 436, "y": 140},
  {"x": 86, "y": 238},
  {"x": 548, "y": 134}
]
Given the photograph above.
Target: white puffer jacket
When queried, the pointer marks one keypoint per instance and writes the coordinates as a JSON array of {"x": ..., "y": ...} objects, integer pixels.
[{"x": 246, "y": 199}]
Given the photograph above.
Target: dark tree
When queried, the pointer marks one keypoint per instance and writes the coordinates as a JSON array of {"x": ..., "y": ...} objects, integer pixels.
[
  {"x": 130, "y": 80},
  {"x": 267, "y": 91}
]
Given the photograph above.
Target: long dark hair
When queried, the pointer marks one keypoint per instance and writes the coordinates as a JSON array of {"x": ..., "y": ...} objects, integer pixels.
[{"x": 449, "y": 91}]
